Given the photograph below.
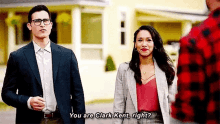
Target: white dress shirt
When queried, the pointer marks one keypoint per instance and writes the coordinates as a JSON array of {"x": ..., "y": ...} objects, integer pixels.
[{"x": 44, "y": 62}]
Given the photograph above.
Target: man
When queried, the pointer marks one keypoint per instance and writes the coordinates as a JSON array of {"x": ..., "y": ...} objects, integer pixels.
[
  {"x": 46, "y": 76},
  {"x": 197, "y": 100}
]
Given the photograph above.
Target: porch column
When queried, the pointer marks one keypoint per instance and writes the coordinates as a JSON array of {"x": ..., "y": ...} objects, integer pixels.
[
  {"x": 11, "y": 35},
  {"x": 76, "y": 32},
  {"x": 104, "y": 35},
  {"x": 186, "y": 27}
]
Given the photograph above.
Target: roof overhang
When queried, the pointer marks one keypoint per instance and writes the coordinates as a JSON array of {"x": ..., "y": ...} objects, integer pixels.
[
  {"x": 147, "y": 15},
  {"x": 31, "y": 3}
]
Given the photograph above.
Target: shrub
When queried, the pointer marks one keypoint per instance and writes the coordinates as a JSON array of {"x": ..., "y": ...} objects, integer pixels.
[{"x": 110, "y": 65}]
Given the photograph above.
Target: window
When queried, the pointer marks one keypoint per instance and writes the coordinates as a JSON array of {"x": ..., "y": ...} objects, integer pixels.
[
  {"x": 123, "y": 28},
  {"x": 23, "y": 34},
  {"x": 26, "y": 33},
  {"x": 91, "y": 36},
  {"x": 53, "y": 34}
]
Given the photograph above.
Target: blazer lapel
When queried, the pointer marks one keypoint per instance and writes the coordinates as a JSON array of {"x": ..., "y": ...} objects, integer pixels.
[
  {"x": 132, "y": 87},
  {"x": 55, "y": 59},
  {"x": 161, "y": 83},
  {"x": 31, "y": 58}
]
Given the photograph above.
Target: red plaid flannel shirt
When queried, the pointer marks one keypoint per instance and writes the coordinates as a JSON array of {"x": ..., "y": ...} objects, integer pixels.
[{"x": 198, "y": 74}]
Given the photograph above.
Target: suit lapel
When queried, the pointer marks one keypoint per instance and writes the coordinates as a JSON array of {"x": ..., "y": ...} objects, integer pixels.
[
  {"x": 31, "y": 58},
  {"x": 132, "y": 87},
  {"x": 56, "y": 55},
  {"x": 161, "y": 83}
]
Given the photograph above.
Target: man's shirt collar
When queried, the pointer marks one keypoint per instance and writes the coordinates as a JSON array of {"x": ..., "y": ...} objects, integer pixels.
[{"x": 37, "y": 47}]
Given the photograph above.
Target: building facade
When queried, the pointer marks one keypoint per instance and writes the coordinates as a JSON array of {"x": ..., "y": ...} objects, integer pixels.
[{"x": 94, "y": 29}]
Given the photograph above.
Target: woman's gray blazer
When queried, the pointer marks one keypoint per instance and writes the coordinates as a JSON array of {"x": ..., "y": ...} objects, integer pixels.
[{"x": 125, "y": 98}]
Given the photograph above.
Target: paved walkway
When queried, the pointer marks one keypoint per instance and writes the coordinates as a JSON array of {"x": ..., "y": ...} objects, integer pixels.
[{"x": 8, "y": 117}]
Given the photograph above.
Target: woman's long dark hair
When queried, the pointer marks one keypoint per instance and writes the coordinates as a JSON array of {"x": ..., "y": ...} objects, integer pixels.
[{"x": 163, "y": 60}]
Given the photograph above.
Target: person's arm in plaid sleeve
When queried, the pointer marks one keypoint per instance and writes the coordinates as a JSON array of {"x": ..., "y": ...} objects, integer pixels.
[{"x": 188, "y": 106}]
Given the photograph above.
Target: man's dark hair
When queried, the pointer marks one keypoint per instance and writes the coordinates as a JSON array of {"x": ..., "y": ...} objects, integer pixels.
[{"x": 37, "y": 9}]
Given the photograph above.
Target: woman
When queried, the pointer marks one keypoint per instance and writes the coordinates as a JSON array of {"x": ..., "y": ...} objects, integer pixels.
[{"x": 142, "y": 85}]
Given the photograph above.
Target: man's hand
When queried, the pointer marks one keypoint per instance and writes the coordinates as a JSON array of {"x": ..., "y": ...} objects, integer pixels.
[{"x": 37, "y": 103}]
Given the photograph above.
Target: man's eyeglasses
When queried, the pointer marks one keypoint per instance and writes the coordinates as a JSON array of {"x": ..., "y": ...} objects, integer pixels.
[{"x": 37, "y": 22}]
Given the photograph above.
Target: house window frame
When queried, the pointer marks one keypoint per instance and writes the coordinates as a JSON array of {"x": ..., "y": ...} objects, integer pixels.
[
  {"x": 19, "y": 32},
  {"x": 95, "y": 46},
  {"x": 123, "y": 10}
]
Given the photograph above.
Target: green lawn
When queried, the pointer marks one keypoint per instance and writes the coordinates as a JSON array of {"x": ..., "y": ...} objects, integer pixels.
[
  {"x": 4, "y": 107},
  {"x": 100, "y": 101}
]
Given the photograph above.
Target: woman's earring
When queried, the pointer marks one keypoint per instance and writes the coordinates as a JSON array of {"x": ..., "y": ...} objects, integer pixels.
[{"x": 136, "y": 64}]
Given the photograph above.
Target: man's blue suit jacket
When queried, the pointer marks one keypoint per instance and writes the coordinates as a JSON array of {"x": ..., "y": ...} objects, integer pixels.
[{"x": 22, "y": 74}]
